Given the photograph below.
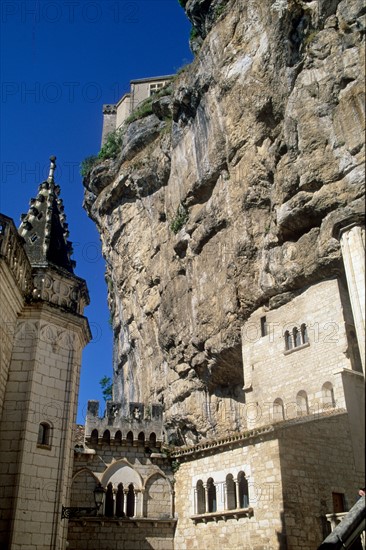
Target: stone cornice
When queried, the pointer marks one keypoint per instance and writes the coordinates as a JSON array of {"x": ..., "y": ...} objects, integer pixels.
[{"x": 236, "y": 440}]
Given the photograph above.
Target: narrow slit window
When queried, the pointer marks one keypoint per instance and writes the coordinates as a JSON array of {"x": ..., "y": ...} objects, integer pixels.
[{"x": 264, "y": 326}]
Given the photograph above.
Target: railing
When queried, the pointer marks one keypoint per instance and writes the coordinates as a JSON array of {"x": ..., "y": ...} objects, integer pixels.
[
  {"x": 11, "y": 250},
  {"x": 346, "y": 528}
]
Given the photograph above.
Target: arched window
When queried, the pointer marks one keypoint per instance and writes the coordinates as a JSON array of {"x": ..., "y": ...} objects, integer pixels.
[
  {"x": 118, "y": 437},
  {"x": 119, "y": 501},
  {"x": 106, "y": 437},
  {"x": 288, "y": 340},
  {"x": 94, "y": 437},
  {"x": 130, "y": 501},
  {"x": 230, "y": 493},
  {"x": 296, "y": 337},
  {"x": 304, "y": 334},
  {"x": 243, "y": 490},
  {"x": 302, "y": 403},
  {"x": 44, "y": 434},
  {"x": 129, "y": 438},
  {"x": 200, "y": 497},
  {"x": 278, "y": 410},
  {"x": 328, "y": 396},
  {"x": 109, "y": 501},
  {"x": 152, "y": 440},
  {"x": 211, "y": 495},
  {"x": 141, "y": 438}
]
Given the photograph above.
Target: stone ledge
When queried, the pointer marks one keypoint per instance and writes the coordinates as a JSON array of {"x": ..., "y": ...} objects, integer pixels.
[
  {"x": 297, "y": 348},
  {"x": 223, "y": 515},
  {"x": 137, "y": 522}
]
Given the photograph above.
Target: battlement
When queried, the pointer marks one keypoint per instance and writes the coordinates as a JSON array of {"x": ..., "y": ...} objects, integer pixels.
[{"x": 143, "y": 425}]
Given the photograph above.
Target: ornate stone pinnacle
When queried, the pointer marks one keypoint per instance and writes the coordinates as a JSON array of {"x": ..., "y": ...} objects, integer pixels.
[{"x": 52, "y": 168}]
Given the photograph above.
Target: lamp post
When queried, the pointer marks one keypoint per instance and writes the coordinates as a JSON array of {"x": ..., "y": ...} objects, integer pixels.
[{"x": 68, "y": 512}]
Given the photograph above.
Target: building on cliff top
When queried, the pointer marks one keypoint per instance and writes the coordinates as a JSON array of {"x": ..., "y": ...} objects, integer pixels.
[{"x": 114, "y": 115}]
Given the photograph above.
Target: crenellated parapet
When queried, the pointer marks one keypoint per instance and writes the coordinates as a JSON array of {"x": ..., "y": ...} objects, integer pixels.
[
  {"x": 12, "y": 251},
  {"x": 142, "y": 426}
]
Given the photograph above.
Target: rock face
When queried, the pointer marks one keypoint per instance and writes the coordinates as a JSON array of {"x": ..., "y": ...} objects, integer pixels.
[{"x": 231, "y": 203}]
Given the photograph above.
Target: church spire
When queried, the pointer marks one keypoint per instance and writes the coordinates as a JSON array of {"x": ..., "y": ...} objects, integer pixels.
[{"x": 44, "y": 227}]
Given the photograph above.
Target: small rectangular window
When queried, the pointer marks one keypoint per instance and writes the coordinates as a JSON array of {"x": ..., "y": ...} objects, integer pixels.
[
  {"x": 264, "y": 326},
  {"x": 338, "y": 503}
]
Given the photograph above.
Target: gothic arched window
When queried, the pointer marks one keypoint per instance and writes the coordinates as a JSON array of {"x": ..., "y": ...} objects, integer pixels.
[
  {"x": 296, "y": 337},
  {"x": 304, "y": 334},
  {"x": 288, "y": 340},
  {"x": 230, "y": 493},
  {"x": 302, "y": 403},
  {"x": 109, "y": 501},
  {"x": 328, "y": 395},
  {"x": 200, "y": 497},
  {"x": 130, "y": 501},
  {"x": 278, "y": 410},
  {"x": 243, "y": 490},
  {"x": 119, "y": 501},
  {"x": 211, "y": 495}
]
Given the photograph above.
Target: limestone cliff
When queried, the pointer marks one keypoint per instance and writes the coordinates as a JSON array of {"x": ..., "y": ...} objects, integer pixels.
[{"x": 226, "y": 197}]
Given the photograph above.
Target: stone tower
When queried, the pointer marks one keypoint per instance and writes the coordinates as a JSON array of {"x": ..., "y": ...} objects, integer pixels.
[{"x": 43, "y": 332}]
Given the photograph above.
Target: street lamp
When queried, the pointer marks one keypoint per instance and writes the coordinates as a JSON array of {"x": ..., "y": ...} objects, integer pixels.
[{"x": 69, "y": 512}]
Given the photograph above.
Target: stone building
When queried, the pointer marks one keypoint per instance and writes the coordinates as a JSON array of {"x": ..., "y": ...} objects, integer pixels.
[
  {"x": 43, "y": 332},
  {"x": 294, "y": 466},
  {"x": 140, "y": 89}
]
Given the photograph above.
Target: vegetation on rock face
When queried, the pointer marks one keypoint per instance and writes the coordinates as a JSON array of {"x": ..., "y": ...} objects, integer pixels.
[
  {"x": 112, "y": 146},
  {"x": 143, "y": 110},
  {"x": 180, "y": 219},
  {"x": 110, "y": 150},
  {"x": 87, "y": 165}
]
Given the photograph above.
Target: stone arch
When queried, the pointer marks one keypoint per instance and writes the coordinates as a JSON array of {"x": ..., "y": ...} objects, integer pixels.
[
  {"x": 243, "y": 490},
  {"x": 304, "y": 334},
  {"x": 82, "y": 488},
  {"x": 129, "y": 438},
  {"x": 302, "y": 403},
  {"x": 106, "y": 437},
  {"x": 288, "y": 340},
  {"x": 131, "y": 504},
  {"x": 141, "y": 438},
  {"x": 200, "y": 497},
  {"x": 118, "y": 437},
  {"x": 211, "y": 495},
  {"x": 120, "y": 500},
  {"x": 94, "y": 437},
  {"x": 109, "y": 501},
  {"x": 328, "y": 399},
  {"x": 230, "y": 492},
  {"x": 122, "y": 472},
  {"x": 278, "y": 410},
  {"x": 157, "y": 497},
  {"x": 152, "y": 439}
]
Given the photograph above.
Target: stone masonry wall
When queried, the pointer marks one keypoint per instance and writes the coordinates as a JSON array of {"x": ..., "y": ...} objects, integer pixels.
[
  {"x": 261, "y": 465},
  {"x": 11, "y": 302},
  {"x": 316, "y": 460},
  {"x": 291, "y": 473},
  {"x": 271, "y": 372},
  {"x": 43, "y": 377},
  {"x": 120, "y": 535}
]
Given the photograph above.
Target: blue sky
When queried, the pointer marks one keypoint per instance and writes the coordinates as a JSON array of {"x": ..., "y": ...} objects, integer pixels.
[{"x": 60, "y": 61}]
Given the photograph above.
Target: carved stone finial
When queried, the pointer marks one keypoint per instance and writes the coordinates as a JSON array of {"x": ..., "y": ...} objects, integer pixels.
[{"x": 52, "y": 168}]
